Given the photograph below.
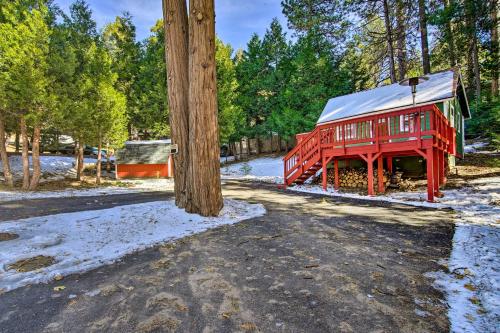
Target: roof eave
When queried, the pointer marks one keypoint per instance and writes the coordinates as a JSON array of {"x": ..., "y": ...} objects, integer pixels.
[
  {"x": 386, "y": 111},
  {"x": 466, "y": 115}
]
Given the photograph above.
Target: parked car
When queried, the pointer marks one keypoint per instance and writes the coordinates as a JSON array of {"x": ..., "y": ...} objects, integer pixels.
[
  {"x": 95, "y": 151},
  {"x": 224, "y": 150}
]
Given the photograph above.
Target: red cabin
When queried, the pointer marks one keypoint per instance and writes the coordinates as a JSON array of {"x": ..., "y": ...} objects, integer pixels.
[{"x": 383, "y": 123}]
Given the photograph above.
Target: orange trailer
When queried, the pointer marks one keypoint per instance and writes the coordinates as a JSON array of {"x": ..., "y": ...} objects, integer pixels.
[{"x": 145, "y": 159}]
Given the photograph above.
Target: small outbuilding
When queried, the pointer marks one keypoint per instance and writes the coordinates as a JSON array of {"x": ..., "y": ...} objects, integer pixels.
[{"x": 145, "y": 159}]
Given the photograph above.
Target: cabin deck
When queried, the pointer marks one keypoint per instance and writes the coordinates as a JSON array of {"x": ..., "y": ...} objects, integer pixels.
[{"x": 417, "y": 131}]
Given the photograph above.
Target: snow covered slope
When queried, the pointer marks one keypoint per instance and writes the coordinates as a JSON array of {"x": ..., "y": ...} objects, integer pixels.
[
  {"x": 52, "y": 166},
  {"x": 264, "y": 169},
  {"x": 85, "y": 240}
]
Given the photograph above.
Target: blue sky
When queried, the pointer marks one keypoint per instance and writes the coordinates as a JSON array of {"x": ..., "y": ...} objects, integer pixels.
[{"x": 236, "y": 20}]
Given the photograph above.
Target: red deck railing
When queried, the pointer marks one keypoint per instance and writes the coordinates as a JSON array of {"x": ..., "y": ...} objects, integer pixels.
[{"x": 412, "y": 126}]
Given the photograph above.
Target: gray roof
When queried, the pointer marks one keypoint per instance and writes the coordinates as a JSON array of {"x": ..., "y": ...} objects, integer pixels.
[
  {"x": 439, "y": 86},
  {"x": 144, "y": 152}
]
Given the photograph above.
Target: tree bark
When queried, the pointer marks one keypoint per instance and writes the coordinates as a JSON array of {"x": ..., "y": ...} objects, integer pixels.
[
  {"x": 257, "y": 145},
  {"x": 79, "y": 170},
  {"x": 450, "y": 38},
  {"x": 108, "y": 160},
  {"x": 235, "y": 152},
  {"x": 422, "y": 16},
  {"x": 494, "y": 47},
  {"x": 241, "y": 149},
  {"x": 17, "y": 141},
  {"x": 35, "y": 158},
  {"x": 204, "y": 148},
  {"x": 176, "y": 51},
  {"x": 98, "y": 164},
  {"x": 390, "y": 45},
  {"x": 401, "y": 39},
  {"x": 248, "y": 148},
  {"x": 25, "y": 154},
  {"x": 77, "y": 158},
  {"x": 4, "y": 157},
  {"x": 473, "y": 58}
]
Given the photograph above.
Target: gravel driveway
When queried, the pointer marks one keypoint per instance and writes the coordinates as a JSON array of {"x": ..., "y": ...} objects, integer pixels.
[{"x": 312, "y": 264}]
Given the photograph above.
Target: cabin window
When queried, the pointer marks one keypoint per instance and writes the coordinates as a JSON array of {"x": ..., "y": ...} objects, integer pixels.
[
  {"x": 405, "y": 125},
  {"x": 452, "y": 115}
]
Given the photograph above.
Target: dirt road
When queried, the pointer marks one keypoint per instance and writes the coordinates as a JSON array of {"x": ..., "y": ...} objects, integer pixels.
[{"x": 311, "y": 264}]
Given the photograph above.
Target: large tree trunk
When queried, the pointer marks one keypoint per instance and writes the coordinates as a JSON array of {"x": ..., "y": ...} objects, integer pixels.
[
  {"x": 77, "y": 158},
  {"x": 241, "y": 149},
  {"x": 99, "y": 160},
  {"x": 248, "y": 148},
  {"x": 450, "y": 38},
  {"x": 79, "y": 169},
  {"x": 401, "y": 38},
  {"x": 473, "y": 58},
  {"x": 494, "y": 47},
  {"x": 7, "y": 174},
  {"x": 204, "y": 148},
  {"x": 108, "y": 160},
  {"x": 390, "y": 45},
  {"x": 17, "y": 141},
  {"x": 422, "y": 17},
  {"x": 235, "y": 152},
  {"x": 25, "y": 153},
  {"x": 35, "y": 158},
  {"x": 176, "y": 51}
]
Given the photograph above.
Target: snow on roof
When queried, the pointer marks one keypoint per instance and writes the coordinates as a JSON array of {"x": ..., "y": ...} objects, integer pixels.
[
  {"x": 148, "y": 142},
  {"x": 439, "y": 86}
]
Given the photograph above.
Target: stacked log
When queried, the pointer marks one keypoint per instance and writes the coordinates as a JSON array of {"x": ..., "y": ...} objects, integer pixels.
[
  {"x": 356, "y": 178},
  {"x": 406, "y": 185},
  {"x": 350, "y": 178}
]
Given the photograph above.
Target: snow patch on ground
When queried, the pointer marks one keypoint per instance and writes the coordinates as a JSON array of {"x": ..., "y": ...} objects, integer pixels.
[
  {"x": 53, "y": 167},
  {"x": 82, "y": 241},
  {"x": 473, "y": 284},
  {"x": 474, "y": 147},
  {"x": 228, "y": 159},
  {"x": 132, "y": 186},
  {"x": 262, "y": 169}
]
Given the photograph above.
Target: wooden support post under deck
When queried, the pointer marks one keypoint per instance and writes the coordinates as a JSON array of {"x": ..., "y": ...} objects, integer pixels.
[
  {"x": 324, "y": 173},
  {"x": 369, "y": 161},
  {"x": 442, "y": 168},
  {"x": 436, "y": 165},
  {"x": 336, "y": 167},
  {"x": 380, "y": 174},
  {"x": 389, "y": 164},
  {"x": 430, "y": 172}
]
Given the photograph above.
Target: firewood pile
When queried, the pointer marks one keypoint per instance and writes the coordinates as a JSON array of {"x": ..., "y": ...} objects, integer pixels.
[{"x": 358, "y": 179}]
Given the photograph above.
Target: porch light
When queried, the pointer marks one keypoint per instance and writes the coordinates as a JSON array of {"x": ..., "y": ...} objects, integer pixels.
[{"x": 413, "y": 82}]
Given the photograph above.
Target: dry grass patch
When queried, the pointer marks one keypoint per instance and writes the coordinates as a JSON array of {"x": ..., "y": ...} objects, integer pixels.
[
  {"x": 6, "y": 236},
  {"x": 31, "y": 264}
]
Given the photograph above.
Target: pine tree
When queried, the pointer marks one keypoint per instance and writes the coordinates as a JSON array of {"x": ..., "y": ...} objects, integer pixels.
[
  {"x": 204, "y": 166},
  {"x": 176, "y": 33},
  {"x": 229, "y": 114},
  {"x": 119, "y": 37}
]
